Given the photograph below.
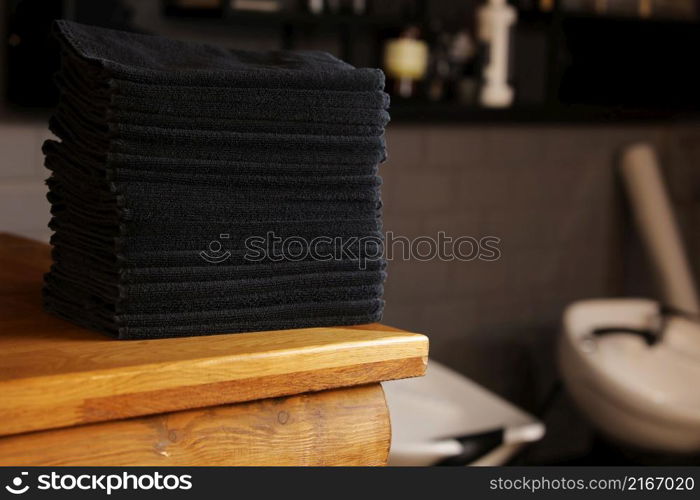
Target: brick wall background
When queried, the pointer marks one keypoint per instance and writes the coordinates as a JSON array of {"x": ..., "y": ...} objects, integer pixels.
[{"x": 551, "y": 194}]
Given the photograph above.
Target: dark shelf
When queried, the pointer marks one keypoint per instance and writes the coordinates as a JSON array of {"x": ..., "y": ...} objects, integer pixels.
[
  {"x": 611, "y": 19},
  {"x": 436, "y": 113},
  {"x": 275, "y": 19},
  {"x": 617, "y": 69}
]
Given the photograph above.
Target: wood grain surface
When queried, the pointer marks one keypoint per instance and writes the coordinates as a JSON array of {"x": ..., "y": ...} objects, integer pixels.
[
  {"x": 336, "y": 427},
  {"x": 55, "y": 374}
]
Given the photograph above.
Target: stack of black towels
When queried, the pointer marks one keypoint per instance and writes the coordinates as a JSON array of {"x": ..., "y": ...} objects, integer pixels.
[{"x": 198, "y": 190}]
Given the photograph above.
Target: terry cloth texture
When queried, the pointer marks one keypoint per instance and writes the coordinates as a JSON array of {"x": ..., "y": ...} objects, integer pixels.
[
  {"x": 156, "y": 60},
  {"x": 197, "y": 190}
]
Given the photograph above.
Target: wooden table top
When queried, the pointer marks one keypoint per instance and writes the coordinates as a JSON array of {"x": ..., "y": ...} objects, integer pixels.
[{"x": 56, "y": 374}]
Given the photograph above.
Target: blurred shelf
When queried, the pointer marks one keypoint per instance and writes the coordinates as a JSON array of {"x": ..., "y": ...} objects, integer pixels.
[
  {"x": 630, "y": 19},
  {"x": 427, "y": 112},
  {"x": 307, "y": 19},
  {"x": 580, "y": 28},
  {"x": 282, "y": 18}
]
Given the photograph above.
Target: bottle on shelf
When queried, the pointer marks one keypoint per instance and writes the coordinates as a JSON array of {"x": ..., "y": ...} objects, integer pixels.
[
  {"x": 495, "y": 20},
  {"x": 406, "y": 61}
]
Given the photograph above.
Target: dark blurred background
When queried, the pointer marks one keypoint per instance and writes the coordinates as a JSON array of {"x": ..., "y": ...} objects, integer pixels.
[{"x": 589, "y": 76}]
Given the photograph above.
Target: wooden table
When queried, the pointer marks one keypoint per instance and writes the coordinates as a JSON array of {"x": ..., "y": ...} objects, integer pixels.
[{"x": 70, "y": 396}]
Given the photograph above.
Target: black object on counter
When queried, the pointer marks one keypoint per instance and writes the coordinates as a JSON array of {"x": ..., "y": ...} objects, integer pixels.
[{"x": 158, "y": 182}]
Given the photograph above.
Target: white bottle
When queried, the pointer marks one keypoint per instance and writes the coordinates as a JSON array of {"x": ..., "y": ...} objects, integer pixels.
[{"x": 495, "y": 20}]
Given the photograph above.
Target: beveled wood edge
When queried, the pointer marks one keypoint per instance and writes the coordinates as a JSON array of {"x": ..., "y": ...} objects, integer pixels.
[
  {"x": 93, "y": 410},
  {"x": 32, "y": 393},
  {"x": 387, "y": 344}
]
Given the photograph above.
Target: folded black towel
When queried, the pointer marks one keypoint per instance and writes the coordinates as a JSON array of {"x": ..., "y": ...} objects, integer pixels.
[
  {"x": 282, "y": 224},
  {"x": 114, "y": 161},
  {"x": 218, "y": 145},
  {"x": 145, "y": 195},
  {"x": 235, "y": 210},
  {"x": 101, "y": 121},
  {"x": 242, "y": 282},
  {"x": 234, "y": 268},
  {"x": 77, "y": 305},
  {"x": 83, "y": 173},
  {"x": 123, "y": 108},
  {"x": 303, "y": 315},
  {"x": 158, "y": 60},
  {"x": 115, "y": 257},
  {"x": 172, "y": 236},
  {"x": 72, "y": 79},
  {"x": 117, "y": 292},
  {"x": 118, "y": 255},
  {"x": 229, "y": 146},
  {"x": 179, "y": 303}
]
